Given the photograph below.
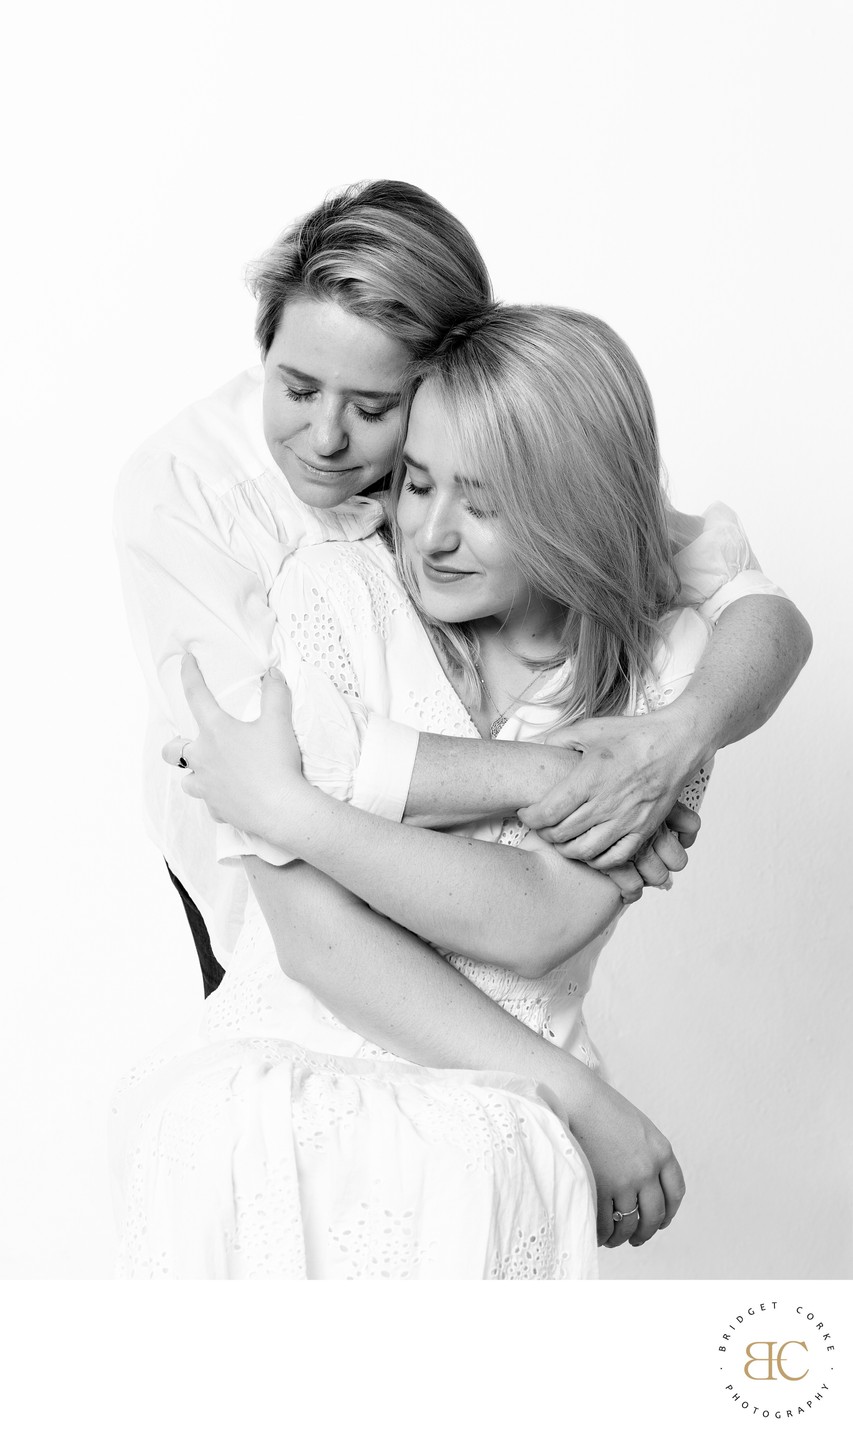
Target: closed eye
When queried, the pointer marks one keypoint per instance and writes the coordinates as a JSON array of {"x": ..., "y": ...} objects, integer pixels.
[
  {"x": 372, "y": 416},
  {"x": 412, "y": 488}
]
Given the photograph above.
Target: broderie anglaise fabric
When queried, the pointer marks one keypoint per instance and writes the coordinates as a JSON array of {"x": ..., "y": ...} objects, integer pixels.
[{"x": 268, "y": 1140}]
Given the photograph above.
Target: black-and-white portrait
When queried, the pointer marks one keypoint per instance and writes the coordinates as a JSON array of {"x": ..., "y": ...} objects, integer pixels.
[{"x": 429, "y": 510}]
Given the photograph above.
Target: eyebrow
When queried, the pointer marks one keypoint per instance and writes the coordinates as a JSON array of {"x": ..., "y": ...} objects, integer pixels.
[
  {"x": 413, "y": 463},
  {"x": 362, "y": 393}
]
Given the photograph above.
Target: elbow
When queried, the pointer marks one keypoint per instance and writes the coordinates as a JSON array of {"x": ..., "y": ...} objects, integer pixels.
[
  {"x": 796, "y": 641},
  {"x": 806, "y": 641},
  {"x": 543, "y": 952}
]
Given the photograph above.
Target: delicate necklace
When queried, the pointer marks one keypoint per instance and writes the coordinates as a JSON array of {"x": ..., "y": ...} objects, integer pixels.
[{"x": 502, "y": 715}]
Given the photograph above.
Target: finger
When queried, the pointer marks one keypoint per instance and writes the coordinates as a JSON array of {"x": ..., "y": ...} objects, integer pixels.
[
  {"x": 651, "y": 868},
  {"x": 623, "y": 1228},
  {"x": 171, "y": 752},
  {"x": 669, "y": 850},
  {"x": 202, "y": 704},
  {"x": 652, "y": 1212},
  {"x": 685, "y": 822},
  {"x": 604, "y": 1220},
  {"x": 275, "y": 695},
  {"x": 608, "y": 848},
  {"x": 673, "y": 1185},
  {"x": 628, "y": 881},
  {"x": 566, "y": 805}
]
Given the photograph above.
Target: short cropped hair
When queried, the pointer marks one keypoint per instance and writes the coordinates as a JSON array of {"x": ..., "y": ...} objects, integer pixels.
[{"x": 386, "y": 252}]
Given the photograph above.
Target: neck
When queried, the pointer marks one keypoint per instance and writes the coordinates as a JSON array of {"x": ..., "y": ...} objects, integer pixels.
[{"x": 532, "y": 636}]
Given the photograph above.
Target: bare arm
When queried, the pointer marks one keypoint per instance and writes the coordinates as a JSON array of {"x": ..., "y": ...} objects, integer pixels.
[
  {"x": 533, "y": 909},
  {"x": 394, "y": 990},
  {"x": 622, "y": 774},
  {"x": 632, "y": 769}
]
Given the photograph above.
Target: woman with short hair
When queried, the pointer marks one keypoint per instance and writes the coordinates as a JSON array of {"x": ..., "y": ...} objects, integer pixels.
[
  {"x": 356, "y": 1100},
  {"x": 298, "y": 451}
]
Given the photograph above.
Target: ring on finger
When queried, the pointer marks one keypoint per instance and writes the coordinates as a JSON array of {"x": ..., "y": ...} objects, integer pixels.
[{"x": 618, "y": 1216}]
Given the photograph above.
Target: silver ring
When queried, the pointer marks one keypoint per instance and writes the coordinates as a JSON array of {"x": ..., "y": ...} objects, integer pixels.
[
  {"x": 182, "y": 763},
  {"x": 618, "y": 1216}
]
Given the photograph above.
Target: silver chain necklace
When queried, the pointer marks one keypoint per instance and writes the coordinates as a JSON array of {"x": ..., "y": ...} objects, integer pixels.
[{"x": 497, "y": 724}]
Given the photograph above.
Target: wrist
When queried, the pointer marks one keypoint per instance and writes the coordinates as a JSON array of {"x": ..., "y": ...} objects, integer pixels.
[
  {"x": 691, "y": 733},
  {"x": 287, "y": 813}
]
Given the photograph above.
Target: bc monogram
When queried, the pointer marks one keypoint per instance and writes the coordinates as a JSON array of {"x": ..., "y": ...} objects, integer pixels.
[{"x": 772, "y": 1357}]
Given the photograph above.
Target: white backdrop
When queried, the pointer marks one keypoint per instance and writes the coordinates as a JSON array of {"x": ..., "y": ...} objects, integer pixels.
[{"x": 677, "y": 169}]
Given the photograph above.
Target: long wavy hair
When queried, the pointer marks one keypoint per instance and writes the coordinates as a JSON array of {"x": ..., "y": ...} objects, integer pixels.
[{"x": 549, "y": 410}]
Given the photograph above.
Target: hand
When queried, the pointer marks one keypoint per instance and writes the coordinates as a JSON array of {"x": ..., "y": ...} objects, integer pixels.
[
  {"x": 633, "y": 1165},
  {"x": 613, "y": 804},
  {"x": 244, "y": 772},
  {"x": 656, "y": 862}
]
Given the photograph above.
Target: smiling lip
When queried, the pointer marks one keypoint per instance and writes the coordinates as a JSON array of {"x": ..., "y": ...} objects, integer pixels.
[
  {"x": 315, "y": 469},
  {"x": 444, "y": 576}
]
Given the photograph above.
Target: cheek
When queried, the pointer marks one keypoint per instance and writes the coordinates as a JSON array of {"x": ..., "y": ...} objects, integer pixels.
[
  {"x": 280, "y": 417},
  {"x": 405, "y": 518},
  {"x": 504, "y": 575},
  {"x": 381, "y": 447}
]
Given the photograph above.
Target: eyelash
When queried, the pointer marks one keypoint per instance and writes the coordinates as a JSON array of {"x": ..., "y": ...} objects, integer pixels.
[
  {"x": 475, "y": 513},
  {"x": 369, "y": 416}
]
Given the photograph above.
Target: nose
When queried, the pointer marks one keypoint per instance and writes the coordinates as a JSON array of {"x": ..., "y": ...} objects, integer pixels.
[
  {"x": 328, "y": 430},
  {"x": 439, "y": 533}
]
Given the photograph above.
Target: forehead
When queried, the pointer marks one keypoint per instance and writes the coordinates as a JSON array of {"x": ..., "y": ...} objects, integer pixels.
[
  {"x": 432, "y": 436},
  {"x": 320, "y": 339}
]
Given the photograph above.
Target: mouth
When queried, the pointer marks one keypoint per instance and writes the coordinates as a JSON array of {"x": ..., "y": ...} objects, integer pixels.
[
  {"x": 440, "y": 575},
  {"x": 324, "y": 471}
]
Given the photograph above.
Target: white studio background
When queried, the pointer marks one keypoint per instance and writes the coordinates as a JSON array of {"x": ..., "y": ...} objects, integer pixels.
[{"x": 678, "y": 169}]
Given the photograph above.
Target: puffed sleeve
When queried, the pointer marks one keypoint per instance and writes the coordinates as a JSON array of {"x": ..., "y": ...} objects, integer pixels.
[
  {"x": 715, "y": 562},
  {"x": 326, "y": 655}
]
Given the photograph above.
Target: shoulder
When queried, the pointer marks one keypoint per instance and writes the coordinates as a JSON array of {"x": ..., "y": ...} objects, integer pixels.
[
  {"x": 358, "y": 573},
  {"x": 709, "y": 550},
  {"x": 214, "y": 444}
]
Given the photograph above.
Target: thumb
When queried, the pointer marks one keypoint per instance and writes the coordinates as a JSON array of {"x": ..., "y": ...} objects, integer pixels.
[{"x": 275, "y": 695}]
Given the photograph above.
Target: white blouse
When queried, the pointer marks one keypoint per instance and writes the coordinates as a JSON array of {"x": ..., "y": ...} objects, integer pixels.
[
  {"x": 349, "y": 640},
  {"x": 204, "y": 521}
]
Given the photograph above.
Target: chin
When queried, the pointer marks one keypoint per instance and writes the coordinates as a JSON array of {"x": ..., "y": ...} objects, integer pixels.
[{"x": 319, "y": 495}]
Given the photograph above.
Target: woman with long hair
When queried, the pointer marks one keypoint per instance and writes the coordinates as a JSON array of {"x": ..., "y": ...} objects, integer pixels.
[
  {"x": 297, "y": 451},
  {"x": 394, "y": 1077}
]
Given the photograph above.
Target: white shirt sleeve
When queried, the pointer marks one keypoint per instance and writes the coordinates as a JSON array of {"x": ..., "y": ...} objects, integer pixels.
[
  {"x": 190, "y": 583},
  {"x": 716, "y": 565}
]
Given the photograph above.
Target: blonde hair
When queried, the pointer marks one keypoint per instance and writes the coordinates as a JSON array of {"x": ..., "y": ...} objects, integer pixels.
[
  {"x": 385, "y": 251},
  {"x": 550, "y": 411}
]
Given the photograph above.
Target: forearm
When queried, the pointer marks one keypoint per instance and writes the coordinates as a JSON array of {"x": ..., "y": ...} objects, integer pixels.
[
  {"x": 394, "y": 990},
  {"x": 460, "y": 779},
  {"x": 524, "y": 910},
  {"x": 757, "y": 649}
]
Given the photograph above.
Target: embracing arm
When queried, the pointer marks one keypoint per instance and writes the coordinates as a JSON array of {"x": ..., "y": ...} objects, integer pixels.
[
  {"x": 526, "y": 910},
  {"x": 394, "y": 990},
  {"x": 636, "y": 766},
  {"x": 532, "y": 910},
  {"x": 632, "y": 769}
]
